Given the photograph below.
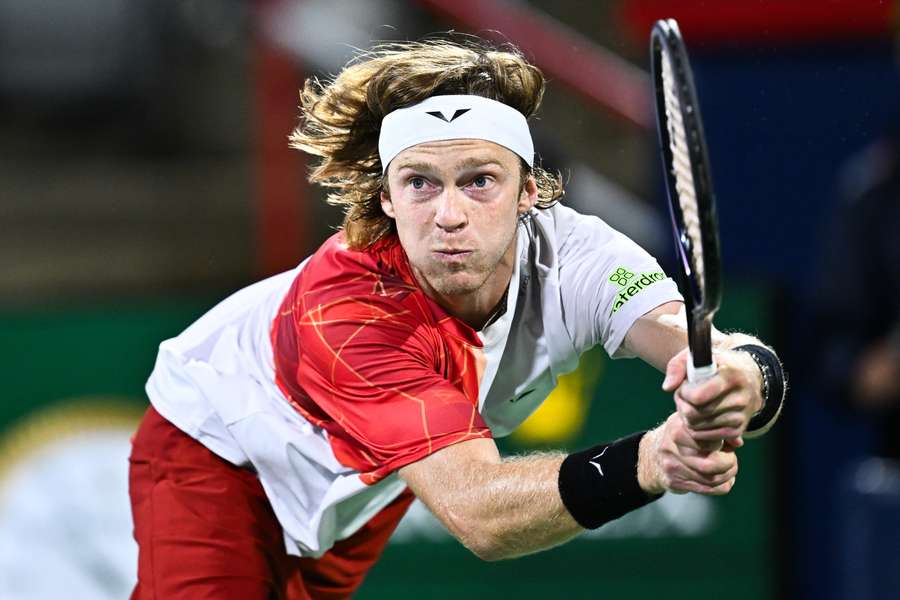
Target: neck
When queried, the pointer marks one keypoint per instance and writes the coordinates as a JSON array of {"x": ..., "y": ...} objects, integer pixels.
[{"x": 476, "y": 308}]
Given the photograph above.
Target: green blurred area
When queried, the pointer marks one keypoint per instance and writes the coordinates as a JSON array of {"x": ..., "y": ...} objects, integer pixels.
[{"x": 53, "y": 356}]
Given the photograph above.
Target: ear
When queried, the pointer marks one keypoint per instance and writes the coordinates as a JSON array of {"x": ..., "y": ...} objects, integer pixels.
[
  {"x": 386, "y": 205},
  {"x": 529, "y": 195}
]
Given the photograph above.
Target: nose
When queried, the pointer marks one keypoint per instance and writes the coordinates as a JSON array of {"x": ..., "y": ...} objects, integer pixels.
[{"x": 451, "y": 214}]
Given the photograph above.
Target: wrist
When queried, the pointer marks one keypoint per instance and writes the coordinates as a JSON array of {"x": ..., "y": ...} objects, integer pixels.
[
  {"x": 774, "y": 388},
  {"x": 648, "y": 469},
  {"x": 600, "y": 484},
  {"x": 757, "y": 381}
]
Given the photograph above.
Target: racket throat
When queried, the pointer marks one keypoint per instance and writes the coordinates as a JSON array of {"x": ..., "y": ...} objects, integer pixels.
[{"x": 700, "y": 363}]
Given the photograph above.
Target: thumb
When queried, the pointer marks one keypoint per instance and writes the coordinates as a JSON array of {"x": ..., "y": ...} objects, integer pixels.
[{"x": 676, "y": 371}]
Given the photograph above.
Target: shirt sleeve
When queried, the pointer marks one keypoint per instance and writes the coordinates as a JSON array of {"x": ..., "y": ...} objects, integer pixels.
[
  {"x": 607, "y": 283},
  {"x": 385, "y": 378}
]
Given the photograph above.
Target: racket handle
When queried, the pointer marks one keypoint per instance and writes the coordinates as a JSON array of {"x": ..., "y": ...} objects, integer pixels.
[{"x": 698, "y": 374}]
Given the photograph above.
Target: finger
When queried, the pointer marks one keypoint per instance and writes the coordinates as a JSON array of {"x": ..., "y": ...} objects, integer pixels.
[
  {"x": 699, "y": 488},
  {"x": 735, "y": 420},
  {"x": 693, "y": 447},
  {"x": 721, "y": 490},
  {"x": 680, "y": 477},
  {"x": 730, "y": 421},
  {"x": 701, "y": 394},
  {"x": 720, "y": 433},
  {"x": 731, "y": 401},
  {"x": 717, "y": 480},
  {"x": 713, "y": 466},
  {"x": 696, "y": 418},
  {"x": 676, "y": 371},
  {"x": 690, "y": 481},
  {"x": 733, "y": 444},
  {"x": 685, "y": 441}
]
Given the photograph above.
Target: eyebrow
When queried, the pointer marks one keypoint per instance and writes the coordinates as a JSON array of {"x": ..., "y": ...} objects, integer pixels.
[
  {"x": 464, "y": 164},
  {"x": 474, "y": 163},
  {"x": 416, "y": 166}
]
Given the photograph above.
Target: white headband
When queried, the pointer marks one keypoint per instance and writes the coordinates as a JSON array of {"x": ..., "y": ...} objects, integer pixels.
[{"x": 452, "y": 118}]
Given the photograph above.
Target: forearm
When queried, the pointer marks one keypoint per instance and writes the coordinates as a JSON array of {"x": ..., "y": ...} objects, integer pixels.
[
  {"x": 662, "y": 333},
  {"x": 507, "y": 508},
  {"x": 520, "y": 509},
  {"x": 501, "y": 509}
]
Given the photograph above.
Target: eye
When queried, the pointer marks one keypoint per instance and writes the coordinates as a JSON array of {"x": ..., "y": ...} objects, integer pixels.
[
  {"x": 417, "y": 183},
  {"x": 482, "y": 182}
]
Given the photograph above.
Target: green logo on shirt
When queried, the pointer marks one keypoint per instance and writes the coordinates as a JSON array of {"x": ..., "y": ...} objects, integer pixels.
[
  {"x": 631, "y": 284},
  {"x": 621, "y": 276}
]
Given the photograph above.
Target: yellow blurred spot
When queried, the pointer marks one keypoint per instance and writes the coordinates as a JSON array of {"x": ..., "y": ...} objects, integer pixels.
[{"x": 562, "y": 415}]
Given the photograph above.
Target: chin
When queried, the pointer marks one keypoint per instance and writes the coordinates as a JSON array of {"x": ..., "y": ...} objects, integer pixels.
[{"x": 456, "y": 284}]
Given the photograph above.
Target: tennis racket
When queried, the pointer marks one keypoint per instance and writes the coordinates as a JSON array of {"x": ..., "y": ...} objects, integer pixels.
[{"x": 689, "y": 186}]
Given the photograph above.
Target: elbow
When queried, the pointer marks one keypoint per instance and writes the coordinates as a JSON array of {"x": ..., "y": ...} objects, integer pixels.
[
  {"x": 488, "y": 545},
  {"x": 477, "y": 537},
  {"x": 487, "y": 550}
]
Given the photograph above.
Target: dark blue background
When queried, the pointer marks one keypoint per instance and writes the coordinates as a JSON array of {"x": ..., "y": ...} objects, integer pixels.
[{"x": 780, "y": 122}]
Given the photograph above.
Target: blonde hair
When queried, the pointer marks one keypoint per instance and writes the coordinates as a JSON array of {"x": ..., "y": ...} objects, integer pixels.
[{"x": 340, "y": 120}]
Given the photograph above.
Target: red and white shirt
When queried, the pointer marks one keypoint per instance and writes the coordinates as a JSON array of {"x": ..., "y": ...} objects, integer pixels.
[{"x": 328, "y": 378}]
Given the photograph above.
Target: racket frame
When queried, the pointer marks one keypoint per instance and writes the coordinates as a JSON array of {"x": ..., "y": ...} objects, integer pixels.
[{"x": 702, "y": 298}]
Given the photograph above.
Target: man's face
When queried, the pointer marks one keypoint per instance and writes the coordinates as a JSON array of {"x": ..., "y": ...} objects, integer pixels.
[{"x": 456, "y": 204}]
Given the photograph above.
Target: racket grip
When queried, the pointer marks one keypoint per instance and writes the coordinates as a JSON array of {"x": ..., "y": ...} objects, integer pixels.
[{"x": 698, "y": 374}]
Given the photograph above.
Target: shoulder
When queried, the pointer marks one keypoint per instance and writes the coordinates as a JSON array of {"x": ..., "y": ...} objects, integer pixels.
[
  {"x": 336, "y": 268},
  {"x": 364, "y": 299},
  {"x": 339, "y": 280},
  {"x": 576, "y": 236}
]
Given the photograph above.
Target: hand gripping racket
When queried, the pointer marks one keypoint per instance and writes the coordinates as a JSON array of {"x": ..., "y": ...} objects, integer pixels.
[{"x": 691, "y": 202}]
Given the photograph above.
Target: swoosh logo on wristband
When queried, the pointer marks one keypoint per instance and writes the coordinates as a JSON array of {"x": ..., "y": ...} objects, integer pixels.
[{"x": 599, "y": 468}]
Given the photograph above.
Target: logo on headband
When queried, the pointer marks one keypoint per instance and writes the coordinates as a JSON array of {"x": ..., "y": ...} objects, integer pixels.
[{"x": 440, "y": 114}]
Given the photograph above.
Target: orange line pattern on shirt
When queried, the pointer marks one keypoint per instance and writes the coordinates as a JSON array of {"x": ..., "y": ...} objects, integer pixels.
[{"x": 368, "y": 357}]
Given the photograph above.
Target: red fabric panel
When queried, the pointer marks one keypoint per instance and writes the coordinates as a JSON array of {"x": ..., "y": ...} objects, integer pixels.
[
  {"x": 340, "y": 571},
  {"x": 205, "y": 529},
  {"x": 362, "y": 352}
]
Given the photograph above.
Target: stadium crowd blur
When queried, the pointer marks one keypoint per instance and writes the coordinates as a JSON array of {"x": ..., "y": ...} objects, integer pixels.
[
  {"x": 859, "y": 291},
  {"x": 146, "y": 173}
]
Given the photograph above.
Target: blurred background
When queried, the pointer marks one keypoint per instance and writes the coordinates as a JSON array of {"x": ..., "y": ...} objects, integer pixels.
[{"x": 145, "y": 175}]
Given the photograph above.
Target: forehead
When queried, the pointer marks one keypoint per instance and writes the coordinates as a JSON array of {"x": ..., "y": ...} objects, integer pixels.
[{"x": 455, "y": 154}]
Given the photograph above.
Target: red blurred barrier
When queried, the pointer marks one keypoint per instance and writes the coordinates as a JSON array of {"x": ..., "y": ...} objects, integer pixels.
[
  {"x": 767, "y": 21},
  {"x": 280, "y": 187}
]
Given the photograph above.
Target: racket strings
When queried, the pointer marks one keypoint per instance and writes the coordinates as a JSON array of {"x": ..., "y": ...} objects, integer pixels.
[{"x": 681, "y": 166}]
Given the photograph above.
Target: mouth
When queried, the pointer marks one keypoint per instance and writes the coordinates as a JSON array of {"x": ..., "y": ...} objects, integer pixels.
[{"x": 451, "y": 254}]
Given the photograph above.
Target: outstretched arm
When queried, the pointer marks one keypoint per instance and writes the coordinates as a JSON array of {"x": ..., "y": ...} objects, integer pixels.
[
  {"x": 497, "y": 508},
  {"x": 503, "y": 508}
]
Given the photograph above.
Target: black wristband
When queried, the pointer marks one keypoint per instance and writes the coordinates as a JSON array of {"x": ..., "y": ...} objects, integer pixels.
[
  {"x": 600, "y": 484},
  {"x": 774, "y": 385}
]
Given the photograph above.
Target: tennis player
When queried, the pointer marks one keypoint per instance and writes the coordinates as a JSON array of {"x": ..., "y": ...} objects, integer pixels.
[{"x": 292, "y": 425}]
